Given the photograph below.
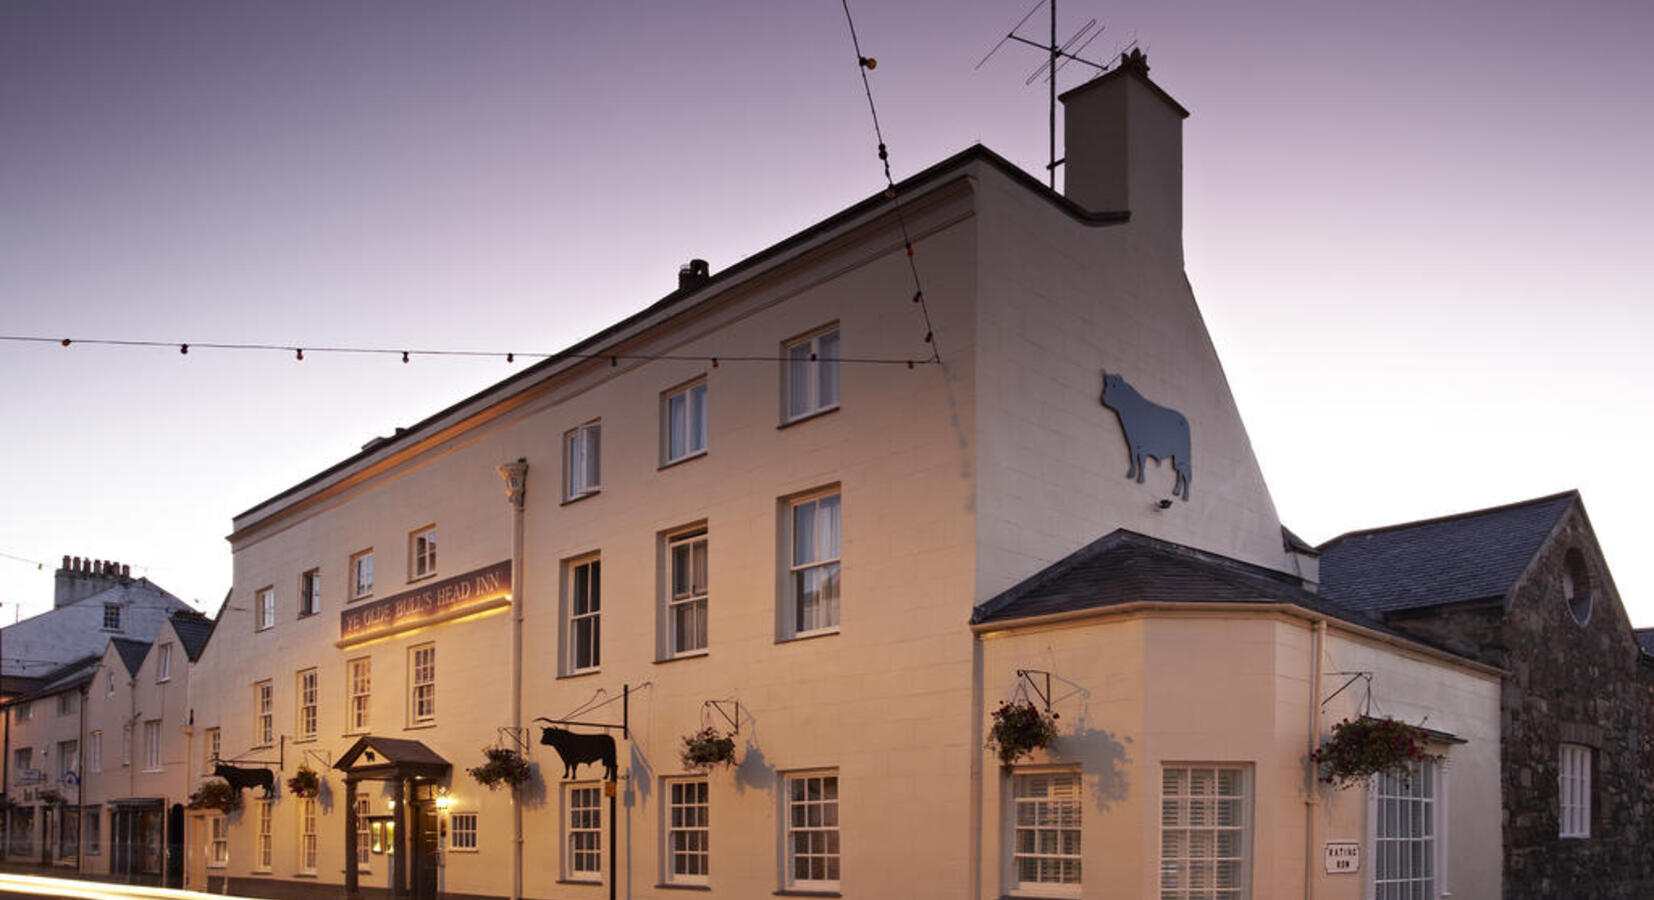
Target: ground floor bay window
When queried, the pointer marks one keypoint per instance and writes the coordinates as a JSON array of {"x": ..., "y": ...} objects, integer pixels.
[
  {"x": 1405, "y": 818},
  {"x": 1044, "y": 833},
  {"x": 1205, "y": 832}
]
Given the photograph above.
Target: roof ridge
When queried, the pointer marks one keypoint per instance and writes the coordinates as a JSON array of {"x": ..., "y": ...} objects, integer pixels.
[{"x": 1452, "y": 517}]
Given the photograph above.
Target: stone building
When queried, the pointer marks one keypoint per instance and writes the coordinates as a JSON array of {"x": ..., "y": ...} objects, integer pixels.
[
  {"x": 761, "y": 505},
  {"x": 1525, "y": 588}
]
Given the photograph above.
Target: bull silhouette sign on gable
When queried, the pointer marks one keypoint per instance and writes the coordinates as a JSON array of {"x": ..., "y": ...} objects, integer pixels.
[{"x": 1151, "y": 430}]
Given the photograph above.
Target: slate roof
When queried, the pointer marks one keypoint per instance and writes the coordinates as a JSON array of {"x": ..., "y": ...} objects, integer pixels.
[
  {"x": 1455, "y": 559},
  {"x": 132, "y": 652},
  {"x": 67, "y": 676},
  {"x": 192, "y": 628},
  {"x": 1127, "y": 567},
  {"x": 1645, "y": 640}
]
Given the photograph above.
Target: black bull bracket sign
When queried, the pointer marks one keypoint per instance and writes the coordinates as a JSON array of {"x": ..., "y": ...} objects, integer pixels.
[{"x": 577, "y": 749}]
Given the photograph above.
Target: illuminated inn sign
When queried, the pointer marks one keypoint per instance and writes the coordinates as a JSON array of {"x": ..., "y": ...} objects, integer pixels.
[{"x": 474, "y": 592}]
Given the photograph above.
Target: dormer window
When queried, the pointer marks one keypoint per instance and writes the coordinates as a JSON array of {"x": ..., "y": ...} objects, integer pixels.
[{"x": 111, "y": 617}]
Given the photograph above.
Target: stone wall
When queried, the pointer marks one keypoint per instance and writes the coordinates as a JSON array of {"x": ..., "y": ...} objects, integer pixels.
[{"x": 1567, "y": 682}]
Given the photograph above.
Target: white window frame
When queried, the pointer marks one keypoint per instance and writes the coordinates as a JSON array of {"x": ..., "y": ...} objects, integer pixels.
[
  {"x": 683, "y": 428},
  {"x": 307, "y": 691},
  {"x": 126, "y": 744},
  {"x": 583, "y": 460},
  {"x": 1173, "y": 808},
  {"x": 25, "y": 711},
  {"x": 684, "y": 598},
  {"x": 109, "y": 683},
  {"x": 68, "y": 703},
  {"x": 796, "y": 822},
  {"x": 583, "y": 831},
  {"x": 823, "y": 556},
  {"x": 264, "y": 850},
  {"x": 422, "y": 684},
  {"x": 358, "y": 694},
  {"x": 1389, "y": 804},
  {"x": 686, "y": 856},
  {"x": 67, "y": 758},
  {"x": 214, "y": 738},
  {"x": 264, "y": 713},
  {"x": 264, "y": 608},
  {"x": 310, "y": 592},
  {"x": 111, "y": 617},
  {"x": 1062, "y": 787},
  {"x": 218, "y": 841},
  {"x": 308, "y": 841},
  {"x": 94, "y": 751},
  {"x": 1574, "y": 791},
  {"x": 361, "y": 574},
  {"x": 422, "y": 553},
  {"x": 462, "y": 831},
  {"x": 583, "y": 604},
  {"x": 152, "y": 745},
  {"x": 810, "y": 374},
  {"x": 364, "y": 835},
  {"x": 163, "y": 663}
]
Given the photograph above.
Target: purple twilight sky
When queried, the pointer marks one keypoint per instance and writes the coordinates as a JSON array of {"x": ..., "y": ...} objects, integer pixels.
[{"x": 1419, "y": 231}]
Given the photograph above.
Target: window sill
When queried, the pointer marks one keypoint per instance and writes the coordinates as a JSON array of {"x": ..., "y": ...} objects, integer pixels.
[
  {"x": 361, "y": 597},
  {"x": 788, "y": 424},
  {"x": 683, "y": 887},
  {"x": 419, "y": 726},
  {"x": 305, "y": 740},
  {"x": 808, "y": 635},
  {"x": 309, "y": 615},
  {"x": 797, "y": 892},
  {"x": 304, "y": 874},
  {"x": 157, "y": 681},
  {"x": 597, "y": 883},
  {"x": 566, "y": 501},
  {"x": 415, "y": 579},
  {"x": 583, "y": 673},
  {"x": 693, "y": 654},
  {"x": 690, "y": 457},
  {"x": 152, "y": 771}
]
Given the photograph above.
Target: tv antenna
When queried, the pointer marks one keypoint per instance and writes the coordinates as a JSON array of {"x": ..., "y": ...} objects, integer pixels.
[{"x": 1058, "y": 55}]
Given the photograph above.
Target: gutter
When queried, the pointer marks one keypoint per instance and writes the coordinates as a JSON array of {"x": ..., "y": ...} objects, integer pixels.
[{"x": 1291, "y": 610}]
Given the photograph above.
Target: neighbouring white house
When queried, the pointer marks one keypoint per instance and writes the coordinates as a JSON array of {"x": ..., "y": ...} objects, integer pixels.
[{"x": 839, "y": 527}]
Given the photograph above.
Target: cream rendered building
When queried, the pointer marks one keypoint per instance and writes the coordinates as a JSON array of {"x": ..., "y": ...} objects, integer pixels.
[
  {"x": 741, "y": 508},
  {"x": 98, "y": 773}
]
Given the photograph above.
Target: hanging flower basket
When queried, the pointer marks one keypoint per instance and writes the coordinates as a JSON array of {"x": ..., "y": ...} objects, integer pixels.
[
  {"x": 305, "y": 783},
  {"x": 504, "y": 766},
  {"x": 705, "y": 749},
  {"x": 216, "y": 794},
  {"x": 1362, "y": 747},
  {"x": 1019, "y": 729}
]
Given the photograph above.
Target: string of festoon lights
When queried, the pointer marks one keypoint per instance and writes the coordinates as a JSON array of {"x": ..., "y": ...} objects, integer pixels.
[
  {"x": 407, "y": 355},
  {"x": 866, "y": 64}
]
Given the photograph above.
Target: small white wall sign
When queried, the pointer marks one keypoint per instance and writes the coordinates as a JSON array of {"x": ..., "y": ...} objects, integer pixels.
[{"x": 1342, "y": 857}]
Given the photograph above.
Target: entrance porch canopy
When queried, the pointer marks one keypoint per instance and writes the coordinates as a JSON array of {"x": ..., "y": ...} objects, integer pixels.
[{"x": 374, "y": 758}]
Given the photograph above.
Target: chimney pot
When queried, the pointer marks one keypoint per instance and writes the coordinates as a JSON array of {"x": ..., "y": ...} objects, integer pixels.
[
  {"x": 693, "y": 274},
  {"x": 126, "y": 571}
]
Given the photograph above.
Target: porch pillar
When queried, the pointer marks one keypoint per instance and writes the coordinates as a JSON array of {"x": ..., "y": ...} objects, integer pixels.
[
  {"x": 399, "y": 868},
  {"x": 352, "y": 890}
]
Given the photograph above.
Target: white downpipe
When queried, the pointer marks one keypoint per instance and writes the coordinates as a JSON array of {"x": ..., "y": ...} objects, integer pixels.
[{"x": 1312, "y": 796}]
